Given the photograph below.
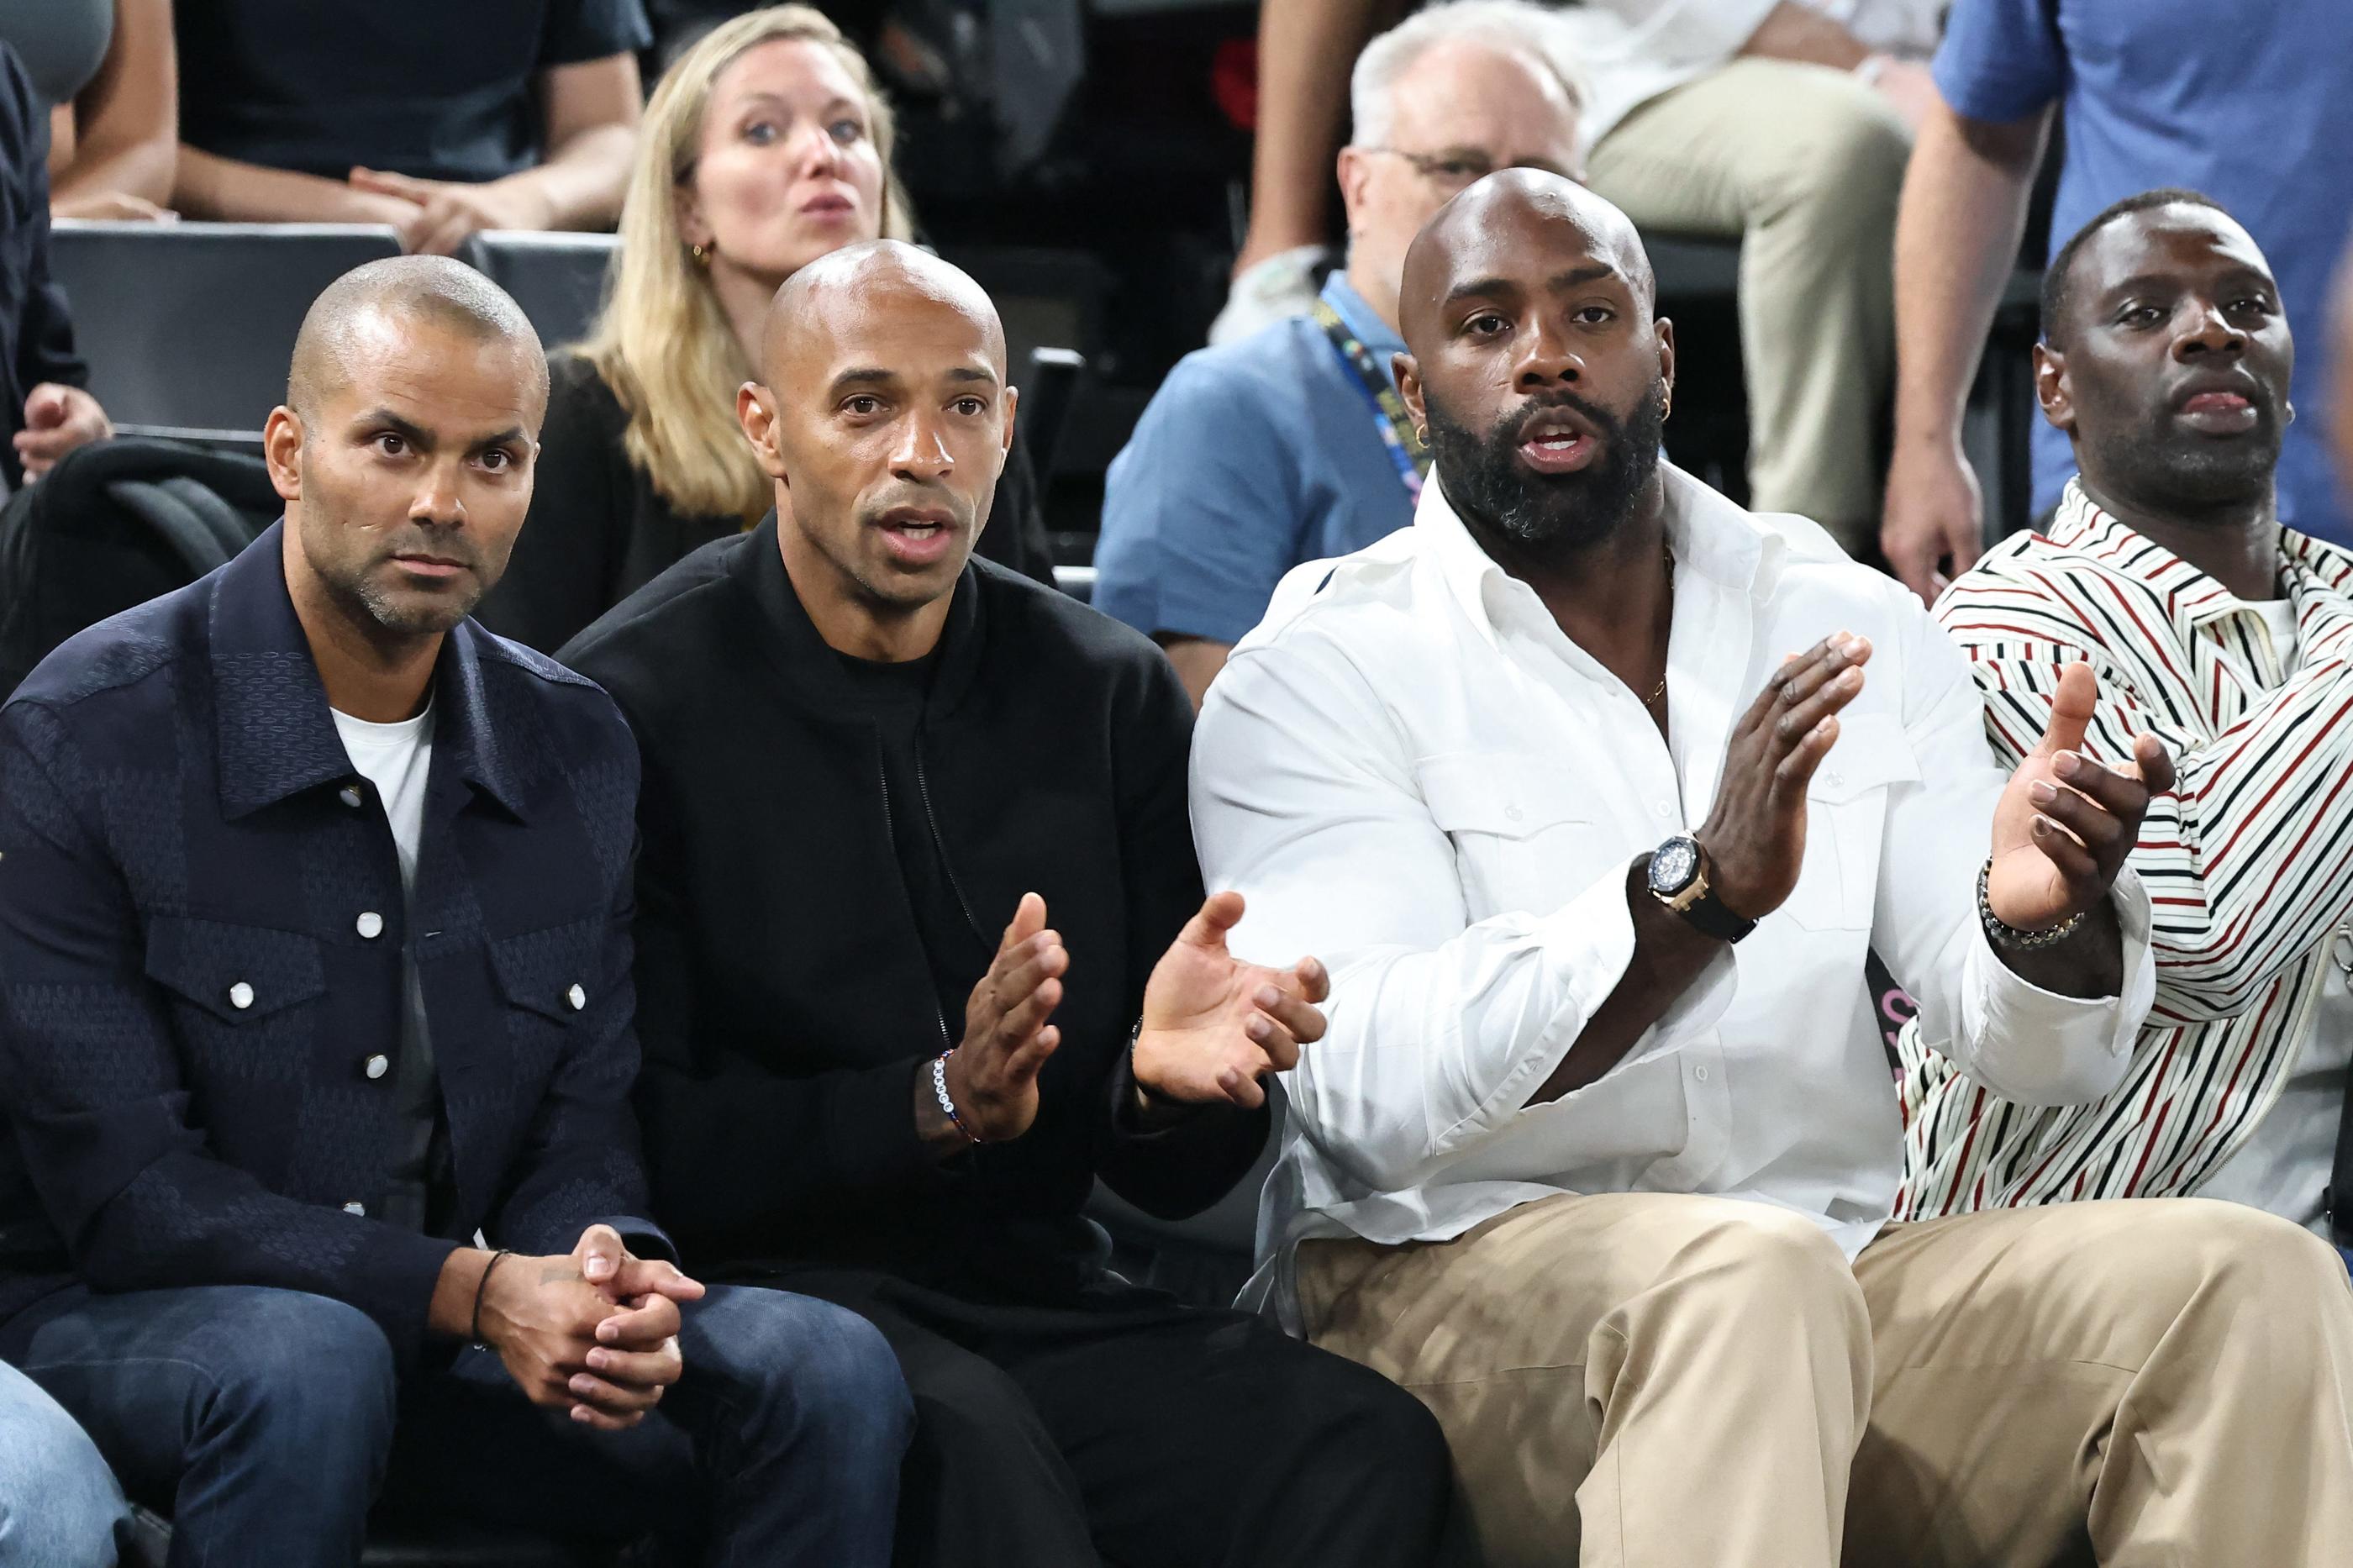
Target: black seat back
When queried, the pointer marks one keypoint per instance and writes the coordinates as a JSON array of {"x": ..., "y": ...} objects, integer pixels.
[{"x": 114, "y": 525}]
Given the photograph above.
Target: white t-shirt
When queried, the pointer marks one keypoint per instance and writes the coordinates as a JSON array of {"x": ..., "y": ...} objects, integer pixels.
[
  {"x": 1631, "y": 51},
  {"x": 2285, "y": 1161},
  {"x": 397, "y": 759}
]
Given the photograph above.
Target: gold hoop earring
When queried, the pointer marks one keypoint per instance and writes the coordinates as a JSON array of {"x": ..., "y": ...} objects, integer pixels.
[{"x": 701, "y": 254}]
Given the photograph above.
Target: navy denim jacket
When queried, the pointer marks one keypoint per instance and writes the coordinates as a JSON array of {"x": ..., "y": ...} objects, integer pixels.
[{"x": 189, "y": 996}]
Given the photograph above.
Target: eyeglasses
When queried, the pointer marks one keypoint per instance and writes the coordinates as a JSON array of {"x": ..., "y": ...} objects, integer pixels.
[{"x": 1456, "y": 169}]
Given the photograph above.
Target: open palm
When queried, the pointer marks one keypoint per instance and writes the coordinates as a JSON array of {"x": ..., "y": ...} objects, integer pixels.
[
  {"x": 1213, "y": 1024},
  {"x": 2065, "y": 823}
]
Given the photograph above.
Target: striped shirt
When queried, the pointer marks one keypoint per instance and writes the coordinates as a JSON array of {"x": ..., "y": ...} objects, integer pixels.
[{"x": 2247, "y": 863}]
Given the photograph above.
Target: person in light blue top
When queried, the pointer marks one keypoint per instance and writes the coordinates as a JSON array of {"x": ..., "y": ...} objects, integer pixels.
[
  {"x": 2251, "y": 106},
  {"x": 1291, "y": 445},
  {"x": 59, "y": 1505}
]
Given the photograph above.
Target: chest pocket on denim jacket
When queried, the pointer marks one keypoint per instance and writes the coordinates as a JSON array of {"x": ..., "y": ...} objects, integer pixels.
[
  {"x": 239, "y": 994},
  {"x": 1522, "y": 842},
  {"x": 1846, "y": 818},
  {"x": 549, "y": 979}
]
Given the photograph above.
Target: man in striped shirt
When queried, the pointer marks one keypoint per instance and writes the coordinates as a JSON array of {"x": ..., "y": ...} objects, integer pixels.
[{"x": 2166, "y": 357}]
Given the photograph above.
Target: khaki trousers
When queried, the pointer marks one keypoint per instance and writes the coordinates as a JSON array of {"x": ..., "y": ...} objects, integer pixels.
[
  {"x": 1676, "y": 1381},
  {"x": 1802, "y": 165}
]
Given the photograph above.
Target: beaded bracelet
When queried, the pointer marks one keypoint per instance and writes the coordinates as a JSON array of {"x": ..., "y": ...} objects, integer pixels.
[
  {"x": 940, "y": 1089},
  {"x": 2001, "y": 933}
]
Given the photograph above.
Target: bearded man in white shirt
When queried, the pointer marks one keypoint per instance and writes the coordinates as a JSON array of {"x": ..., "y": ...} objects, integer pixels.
[{"x": 1612, "y": 1200}]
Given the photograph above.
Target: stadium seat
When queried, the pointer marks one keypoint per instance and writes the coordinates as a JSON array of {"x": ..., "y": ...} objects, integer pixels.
[
  {"x": 1045, "y": 297},
  {"x": 557, "y": 279},
  {"x": 187, "y": 327},
  {"x": 1694, "y": 269}
]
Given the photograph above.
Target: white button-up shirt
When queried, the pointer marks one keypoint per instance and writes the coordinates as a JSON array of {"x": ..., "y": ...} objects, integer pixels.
[{"x": 1409, "y": 770}]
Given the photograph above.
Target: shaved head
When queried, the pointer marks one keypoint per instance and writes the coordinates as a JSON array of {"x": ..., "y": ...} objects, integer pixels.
[
  {"x": 884, "y": 416},
  {"x": 1514, "y": 201},
  {"x": 370, "y": 309},
  {"x": 832, "y": 292},
  {"x": 1537, "y": 363},
  {"x": 405, "y": 448}
]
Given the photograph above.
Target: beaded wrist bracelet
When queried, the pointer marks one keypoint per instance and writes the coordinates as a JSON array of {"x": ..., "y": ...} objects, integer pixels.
[
  {"x": 2001, "y": 933},
  {"x": 940, "y": 1089}
]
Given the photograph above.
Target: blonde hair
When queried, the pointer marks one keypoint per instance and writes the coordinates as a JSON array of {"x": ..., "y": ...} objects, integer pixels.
[{"x": 661, "y": 340}]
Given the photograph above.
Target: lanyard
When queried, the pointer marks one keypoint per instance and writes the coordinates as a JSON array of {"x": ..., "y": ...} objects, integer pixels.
[{"x": 1389, "y": 417}]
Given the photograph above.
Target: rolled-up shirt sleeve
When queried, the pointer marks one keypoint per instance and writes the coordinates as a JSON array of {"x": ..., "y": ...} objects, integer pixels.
[
  {"x": 1441, "y": 1027},
  {"x": 2024, "y": 1043}
]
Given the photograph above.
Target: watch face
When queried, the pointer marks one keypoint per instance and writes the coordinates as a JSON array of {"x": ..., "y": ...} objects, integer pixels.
[{"x": 1674, "y": 864}]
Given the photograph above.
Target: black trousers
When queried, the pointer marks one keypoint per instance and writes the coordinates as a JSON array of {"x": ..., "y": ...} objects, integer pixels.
[{"x": 1132, "y": 1432}]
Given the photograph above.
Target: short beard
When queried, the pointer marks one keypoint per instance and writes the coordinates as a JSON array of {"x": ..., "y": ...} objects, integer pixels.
[
  {"x": 1550, "y": 515},
  {"x": 366, "y": 602},
  {"x": 421, "y": 621},
  {"x": 2168, "y": 470}
]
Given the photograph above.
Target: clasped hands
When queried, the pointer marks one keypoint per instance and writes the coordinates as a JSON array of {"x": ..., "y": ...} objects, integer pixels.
[
  {"x": 1213, "y": 1026},
  {"x": 594, "y": 1332},
  {"x": 436, "y": 217},
  {"x": 2061, "y": 831}
]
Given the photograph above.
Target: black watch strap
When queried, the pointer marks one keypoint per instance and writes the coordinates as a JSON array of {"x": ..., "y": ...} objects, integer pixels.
[{"x": 1709, "y": 914}]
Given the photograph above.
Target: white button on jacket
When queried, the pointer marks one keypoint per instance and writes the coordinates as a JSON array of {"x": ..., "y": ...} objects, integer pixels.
[{"x": 1409, "y": 772}]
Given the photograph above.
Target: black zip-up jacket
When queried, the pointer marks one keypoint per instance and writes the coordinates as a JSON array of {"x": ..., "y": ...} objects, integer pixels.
[{"x": 785, "y": 1003}]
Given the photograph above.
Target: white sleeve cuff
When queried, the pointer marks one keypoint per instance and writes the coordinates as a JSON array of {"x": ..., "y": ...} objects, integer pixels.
[
  {"x": 2040, "y": 1049},
  {"x": 1602, "y": 967}
]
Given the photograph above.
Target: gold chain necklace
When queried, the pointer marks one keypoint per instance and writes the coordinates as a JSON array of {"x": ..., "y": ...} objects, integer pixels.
[{"x": 1659, "y": 692}]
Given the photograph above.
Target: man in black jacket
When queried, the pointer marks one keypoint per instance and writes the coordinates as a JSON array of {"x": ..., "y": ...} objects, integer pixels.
[{"x": 862, "y": 750}]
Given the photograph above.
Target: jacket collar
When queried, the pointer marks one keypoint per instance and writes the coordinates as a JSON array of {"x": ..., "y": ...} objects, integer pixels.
[
  {"x": 275, "y": 735},
  {"x": 811, "y": 670}
]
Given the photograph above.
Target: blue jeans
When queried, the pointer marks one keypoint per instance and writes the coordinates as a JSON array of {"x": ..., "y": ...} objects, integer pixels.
[
  {"x": 60, "y": 1507},
  {"x": 267, "y": 1421}
]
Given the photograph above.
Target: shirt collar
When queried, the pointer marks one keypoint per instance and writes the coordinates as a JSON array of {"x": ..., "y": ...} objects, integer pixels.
[
  {"x": 2191, "y": 599},
  {"x": 275, "y": 735},
  {"x": 1361, "y": 319},
  {"x": 1708, "y": 535}
]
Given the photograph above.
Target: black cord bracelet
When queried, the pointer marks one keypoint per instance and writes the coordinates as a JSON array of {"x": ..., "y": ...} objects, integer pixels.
[{"x": 480, "y": 1286}]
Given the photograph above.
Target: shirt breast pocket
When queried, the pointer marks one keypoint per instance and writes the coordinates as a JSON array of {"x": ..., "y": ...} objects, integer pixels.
[
  {"x": 1522, "y": 842},
  {"x": 1846, "y": 819},
  {"x": 547, "y": 980},
  {"x": 243, "y": 998}
]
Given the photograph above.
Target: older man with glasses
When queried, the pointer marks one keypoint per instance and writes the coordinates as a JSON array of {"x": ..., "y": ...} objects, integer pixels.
[{"x": 1291, "y": 445}]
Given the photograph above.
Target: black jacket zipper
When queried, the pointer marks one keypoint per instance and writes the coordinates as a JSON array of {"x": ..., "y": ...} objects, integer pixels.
[{"x": 890, "y": 835}]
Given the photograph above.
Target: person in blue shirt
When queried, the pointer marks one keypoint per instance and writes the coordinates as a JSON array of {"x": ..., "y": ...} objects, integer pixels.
[
  {"x": 2255, "y": 112},
  {"x": 1291, "y": 445}
]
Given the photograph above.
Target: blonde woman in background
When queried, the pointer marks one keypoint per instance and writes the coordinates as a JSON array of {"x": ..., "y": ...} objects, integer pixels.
[{"x": 765, "y": 147}]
